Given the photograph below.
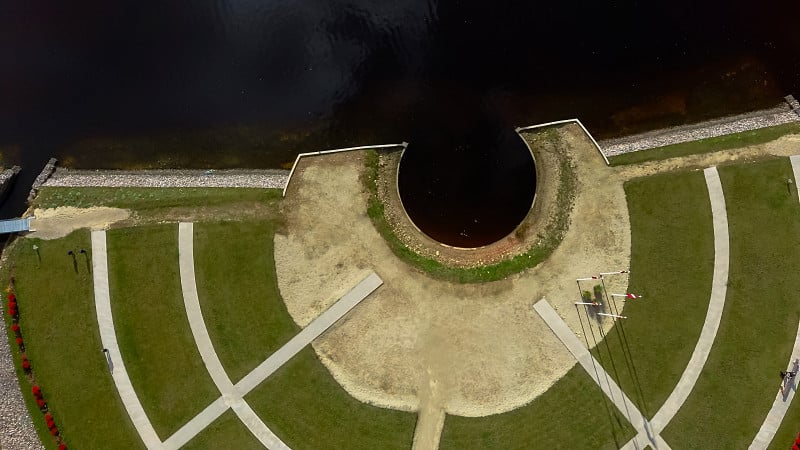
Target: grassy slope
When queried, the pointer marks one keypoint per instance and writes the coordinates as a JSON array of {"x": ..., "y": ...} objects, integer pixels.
[
  {"x": 708, "y": 145},
  {"x": 549, "y": 238},
  {"x": 740, "y": 379},
  {"x": 574, "y": 413},
  {"x": 238, "y": 292},
  {"x": 152, "y": 329},
  {"x": 308, "y": 409},
  {"x": 225, "y": 432},
  {"x": 149, "y": 198},
  {"x": 63, "y": 343},
  {"x": 672, "y": 260}
]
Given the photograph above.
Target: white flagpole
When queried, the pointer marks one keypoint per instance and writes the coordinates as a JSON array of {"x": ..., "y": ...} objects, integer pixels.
[{"x": 612, "y": 315}]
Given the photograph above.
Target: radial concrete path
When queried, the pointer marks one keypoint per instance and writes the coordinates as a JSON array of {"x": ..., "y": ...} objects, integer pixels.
[
  {"x": 102, "y": 300},
  {"x": 599, "y": 375},
  {"x": 716, "y": 304},
  {"x": 232, "y": 397}
]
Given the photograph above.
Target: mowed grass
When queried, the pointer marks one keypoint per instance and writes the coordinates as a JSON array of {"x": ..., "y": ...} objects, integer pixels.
[
  {"x": 238, "y": 291},
  {"x": 152, "y": 328},
  {"x": 304, "y": 406},
  {"x": 789, "y": 429},
  {"x": 672, "y": 262},
  {"x": 59, "y": 325},
  {"x": 740, "y": 379},
  {"x": 708, "y": 145},
  {"x": 573, "y": 413},
  {"x": 225, "y": 432},
  {"x": 145, "y": 199}
]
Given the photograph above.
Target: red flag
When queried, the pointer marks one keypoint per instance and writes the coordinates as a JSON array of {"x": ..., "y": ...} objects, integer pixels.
[{"x": 629, "y": 295}]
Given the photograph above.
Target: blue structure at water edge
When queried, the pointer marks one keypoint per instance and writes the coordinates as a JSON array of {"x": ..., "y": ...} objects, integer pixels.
[{"x": 15, "y": 225}]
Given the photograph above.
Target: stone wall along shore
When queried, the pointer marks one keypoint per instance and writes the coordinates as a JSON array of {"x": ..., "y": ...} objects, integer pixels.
[
  {"x": 779, "y": 115},
  {"x": 234, "y": 178}
]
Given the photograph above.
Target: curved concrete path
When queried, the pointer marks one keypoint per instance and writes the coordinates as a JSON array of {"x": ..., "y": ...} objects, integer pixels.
[
  {"x": 716, "y": 304},
  {"x": 102, "y": 301},
  {"x": 232, "y": 397},
  {"x": 779, "y": 407},
  {"x": 781, "y": 404}
]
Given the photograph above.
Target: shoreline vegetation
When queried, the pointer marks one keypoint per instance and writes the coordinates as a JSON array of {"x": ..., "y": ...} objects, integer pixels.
[{"x": 546, "y": 240}]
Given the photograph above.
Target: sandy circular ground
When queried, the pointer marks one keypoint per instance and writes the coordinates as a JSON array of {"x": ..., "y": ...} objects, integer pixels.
[
  {"x": 424, "y": 344},
  {"x": 54, "y": 223}
]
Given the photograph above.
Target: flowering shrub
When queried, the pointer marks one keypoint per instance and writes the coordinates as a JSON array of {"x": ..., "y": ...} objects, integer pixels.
[
  {"x": 62, "y": 446},
  {"x": 11, "y": 297},
  {"x": 37, "y": 391},
  {"x": 16, "y": 330},
  {"x": 48, "y": 417},
  {"x": 26, "y": 365},
  {"x": 40, "y": 403},
  {"x": 54, "y": 431}
]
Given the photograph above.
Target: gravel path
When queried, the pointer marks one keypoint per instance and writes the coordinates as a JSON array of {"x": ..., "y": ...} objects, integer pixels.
[
  {"x": 169, "y": 178},
  {"x": 779, "y": 115},
  {"x": 16, "y": 427}
]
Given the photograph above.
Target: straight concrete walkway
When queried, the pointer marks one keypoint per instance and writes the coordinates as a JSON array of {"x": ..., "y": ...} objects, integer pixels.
[
  {"x": 102, "y": 299},
  {"x": 779, "y": 407},
  {"x": 231, "y": 395},
  {"x": 309, "y": 333},
  {"x": 716, "y": 304},
  {"x": 599, "y": 375}
]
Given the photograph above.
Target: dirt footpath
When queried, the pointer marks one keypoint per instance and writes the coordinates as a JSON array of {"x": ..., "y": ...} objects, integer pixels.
[{"x": 419, "y": 343}]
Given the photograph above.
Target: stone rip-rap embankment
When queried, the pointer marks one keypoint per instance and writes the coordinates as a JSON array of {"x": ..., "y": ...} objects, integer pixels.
[
  {"x": 242, "y": 178},
  {"x": 779, "y": 115}
]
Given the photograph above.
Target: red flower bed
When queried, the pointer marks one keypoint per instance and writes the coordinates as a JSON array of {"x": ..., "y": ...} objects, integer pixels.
[{"x": 11, "y": 296}]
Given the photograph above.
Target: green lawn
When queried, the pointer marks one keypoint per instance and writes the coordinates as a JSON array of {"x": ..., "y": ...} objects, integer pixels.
[
  {"x": 789, "y": 428},
  {"x": 238, "y": 292},
  {"x": 738, "y": 384},
  {"x": 708, "y": 145},
  {"x": 574, "y": 413},
  {"x": 225, "y": 432},
  {"x": 151, "y": 198},
  {"x": 672, "y": 260},
  {"x": 152, "y": 329},
  {"x": 59, "y": 325},
  {"x": 304, "y": 406}
]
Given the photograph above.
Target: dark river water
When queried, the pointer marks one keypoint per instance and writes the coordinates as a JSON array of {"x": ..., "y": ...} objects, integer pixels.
[{"x": 252, "y": 83}]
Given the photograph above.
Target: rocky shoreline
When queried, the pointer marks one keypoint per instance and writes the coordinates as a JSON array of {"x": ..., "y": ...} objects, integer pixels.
[
  {"x": 779, "y": 115},
  {"x": 234, "y": 178}
]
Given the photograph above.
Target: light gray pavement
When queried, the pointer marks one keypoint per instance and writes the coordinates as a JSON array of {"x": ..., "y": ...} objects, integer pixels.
[
  {"x": 716, "y": 304},
  {"x": 105, "y": 321},
  {"x": 599, "y": 375},
  {"x": 309, "y": 333},
  {"x": 198, "y": 423},
  {"x": 230, "y": 394},
  {"x": 795, "y": 160},
  {"x": 779, "y": 407}
]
